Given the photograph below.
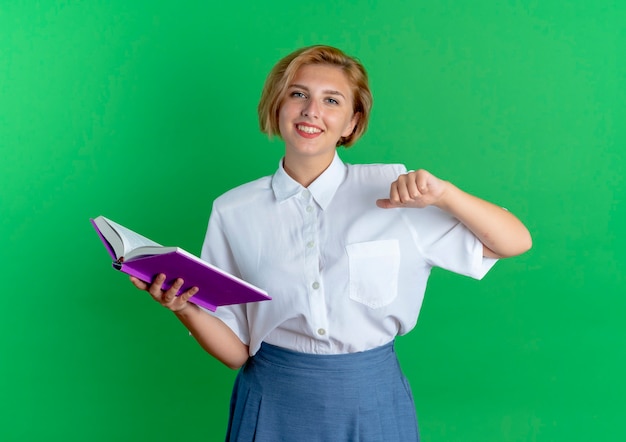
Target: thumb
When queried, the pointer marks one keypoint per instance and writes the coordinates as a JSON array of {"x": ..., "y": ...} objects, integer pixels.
[
  {"x": 385, "y": 203},
  {"x": 139, "y": 283}
]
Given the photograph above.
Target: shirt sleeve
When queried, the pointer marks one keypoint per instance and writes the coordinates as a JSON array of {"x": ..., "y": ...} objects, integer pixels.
[
  {"x": 445, "y": 242},
  {"x": 217, "y": 251}
]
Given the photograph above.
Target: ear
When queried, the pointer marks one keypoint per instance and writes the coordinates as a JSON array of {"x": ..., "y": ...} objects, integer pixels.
[{"x": 352, "y": 125}]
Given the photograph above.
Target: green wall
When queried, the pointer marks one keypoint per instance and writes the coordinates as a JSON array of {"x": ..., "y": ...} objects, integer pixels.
[{"x": 144, "y": 111}]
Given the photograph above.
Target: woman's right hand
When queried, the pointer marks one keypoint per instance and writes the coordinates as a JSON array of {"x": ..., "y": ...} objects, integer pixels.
[{"x": 167, "y": 298}]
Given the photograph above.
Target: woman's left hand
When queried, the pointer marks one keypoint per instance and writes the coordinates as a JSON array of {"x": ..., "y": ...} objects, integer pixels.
[{"x": 416, "y": 189}]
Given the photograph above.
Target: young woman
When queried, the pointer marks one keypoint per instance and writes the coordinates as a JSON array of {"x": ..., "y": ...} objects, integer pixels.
[{"x": 345, "y": 252}]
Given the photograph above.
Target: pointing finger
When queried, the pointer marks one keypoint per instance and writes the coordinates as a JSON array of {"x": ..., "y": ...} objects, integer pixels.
[{"x": 385, "y": 203}]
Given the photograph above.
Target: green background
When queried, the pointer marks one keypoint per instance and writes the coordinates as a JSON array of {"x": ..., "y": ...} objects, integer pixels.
[{"x": 145, "y": 111}]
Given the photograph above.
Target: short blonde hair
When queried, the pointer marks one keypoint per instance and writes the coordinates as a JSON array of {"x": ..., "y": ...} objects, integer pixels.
[{"x": 281, "y": 76}]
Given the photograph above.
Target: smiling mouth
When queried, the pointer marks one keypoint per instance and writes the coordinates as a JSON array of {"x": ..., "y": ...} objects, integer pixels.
[{"x": 308, "y": 129}]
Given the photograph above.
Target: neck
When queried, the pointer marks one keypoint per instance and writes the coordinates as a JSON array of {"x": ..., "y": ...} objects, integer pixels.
[{"x": 305, "y": 171}]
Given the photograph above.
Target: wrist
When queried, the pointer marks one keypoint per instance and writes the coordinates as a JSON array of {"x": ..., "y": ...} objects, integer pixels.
[
  {"x": 448, "y": 194},
  {"x": 185, "y": 310}
]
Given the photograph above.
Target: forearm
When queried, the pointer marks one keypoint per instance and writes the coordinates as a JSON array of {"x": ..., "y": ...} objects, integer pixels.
[
  {"x": 214, "y": 336},
  {"x": 501, "y": 232}
]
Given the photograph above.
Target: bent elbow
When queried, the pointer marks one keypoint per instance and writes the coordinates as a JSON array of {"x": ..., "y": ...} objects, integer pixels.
[
  {"x": 235, "y": 361},
  {"x": 234, "y": 365},
  {"x": 529, "y": 243},
  {"x": 523, "y": 244}
]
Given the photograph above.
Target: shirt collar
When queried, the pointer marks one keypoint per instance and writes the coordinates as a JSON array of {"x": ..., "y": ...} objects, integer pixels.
[{"x": 322, "y": 189}]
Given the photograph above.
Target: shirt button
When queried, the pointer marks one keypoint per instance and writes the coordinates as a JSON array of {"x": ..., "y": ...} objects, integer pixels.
[
  {"x": 310, "y": 244},
  {"x": 309, "y": 209},
  {"x": 321, "y": 331},
  {"x": 315, "y": 285}
]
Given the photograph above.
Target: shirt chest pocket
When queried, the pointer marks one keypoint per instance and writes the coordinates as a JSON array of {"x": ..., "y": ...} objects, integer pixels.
[{"x": 374, "y": 268}]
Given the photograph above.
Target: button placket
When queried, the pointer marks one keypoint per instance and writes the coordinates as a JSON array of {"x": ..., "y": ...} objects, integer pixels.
[{"x": 317, "y": 301}]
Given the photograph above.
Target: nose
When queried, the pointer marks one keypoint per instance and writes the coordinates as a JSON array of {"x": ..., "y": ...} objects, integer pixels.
[{"x": 310, "y": 109}]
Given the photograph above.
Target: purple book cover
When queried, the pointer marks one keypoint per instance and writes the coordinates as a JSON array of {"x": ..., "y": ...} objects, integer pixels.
[{"x": 216, "y": 287}]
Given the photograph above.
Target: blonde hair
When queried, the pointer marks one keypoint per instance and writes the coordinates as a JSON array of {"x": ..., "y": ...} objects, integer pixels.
[{"x": 282, "y": 74}]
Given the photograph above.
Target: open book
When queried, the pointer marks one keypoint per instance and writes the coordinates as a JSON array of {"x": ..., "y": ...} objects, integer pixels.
[{"x": 142, "y": 258}]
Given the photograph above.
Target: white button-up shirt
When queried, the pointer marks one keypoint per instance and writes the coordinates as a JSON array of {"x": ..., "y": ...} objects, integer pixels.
[{"x": 344, "y": 274}]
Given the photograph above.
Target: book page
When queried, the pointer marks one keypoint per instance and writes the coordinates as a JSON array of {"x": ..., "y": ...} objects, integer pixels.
[{"x": 132, "y": 240}]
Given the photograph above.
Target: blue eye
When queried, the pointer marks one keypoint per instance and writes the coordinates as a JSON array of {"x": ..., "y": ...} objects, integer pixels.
[
  {"x": 332, "y": 101},
  {"x": 298, "y": 94}
]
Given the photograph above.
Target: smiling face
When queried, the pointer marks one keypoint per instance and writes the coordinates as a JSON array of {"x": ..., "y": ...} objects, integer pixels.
[{"x": 316, "y": 111}]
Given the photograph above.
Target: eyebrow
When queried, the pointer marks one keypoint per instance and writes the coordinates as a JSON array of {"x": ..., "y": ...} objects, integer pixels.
[{"x": 327, "y": 91}]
